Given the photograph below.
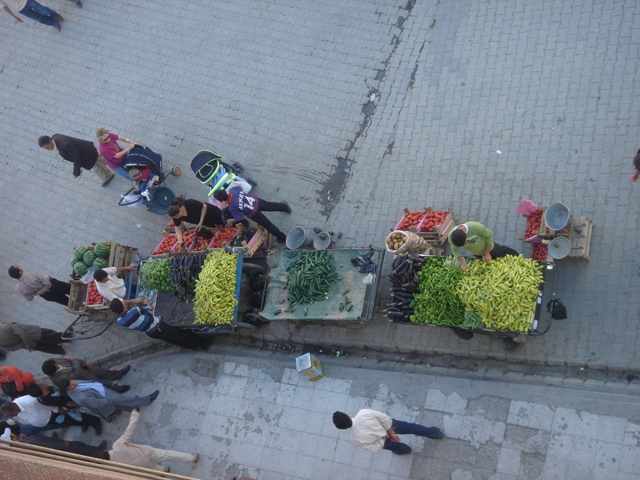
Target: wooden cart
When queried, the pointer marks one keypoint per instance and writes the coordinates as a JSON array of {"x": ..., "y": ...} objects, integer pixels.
[{"x": 93, "y": 320}]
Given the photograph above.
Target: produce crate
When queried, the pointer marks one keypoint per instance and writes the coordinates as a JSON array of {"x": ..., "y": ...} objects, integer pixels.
[
  {"x": 216, "y": 236},
  {"x": 406, "y": 213},
  {"x": 102, "y": 307},
  {"x": 121, "y": 255},
  {"x": 77, "y": 297},
  {"x": 170, "y": 248},
  {"x": 580, "y": 230},
  {"x": 259, "y": 238},
  {"x": 439, "y": 236}
]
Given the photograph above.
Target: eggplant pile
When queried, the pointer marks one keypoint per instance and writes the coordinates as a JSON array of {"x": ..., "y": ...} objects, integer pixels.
[
  {"x": 404, "y": 283},
  {"x": 184, "y": 274}
]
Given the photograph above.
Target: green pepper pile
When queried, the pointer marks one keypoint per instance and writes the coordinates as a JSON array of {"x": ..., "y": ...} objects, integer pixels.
[{"x": 437, "y": 303}]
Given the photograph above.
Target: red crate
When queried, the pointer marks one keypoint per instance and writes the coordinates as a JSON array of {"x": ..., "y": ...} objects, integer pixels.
[{"x": 414, "y": 223}]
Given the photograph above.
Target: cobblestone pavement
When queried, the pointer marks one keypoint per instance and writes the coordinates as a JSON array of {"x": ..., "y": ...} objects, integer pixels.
[
  {"x": 283, "y": 87},
  {"x": 251, "y": 413}
]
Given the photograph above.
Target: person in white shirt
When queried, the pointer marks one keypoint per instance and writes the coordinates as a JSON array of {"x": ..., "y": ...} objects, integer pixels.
[
  {"x": 28, "y": 410},
  {"x": 125, "y": 451},
  {"x": 372, "y": 430},
  {"x": 111, "y": 286}
]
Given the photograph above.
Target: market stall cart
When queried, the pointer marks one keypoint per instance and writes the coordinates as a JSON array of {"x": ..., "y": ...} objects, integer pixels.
[
  {"x": 93, "y": 314},
  {"x": 328, "y": 285}
]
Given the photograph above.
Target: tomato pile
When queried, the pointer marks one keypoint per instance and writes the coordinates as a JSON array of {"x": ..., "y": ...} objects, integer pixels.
[
  {"x": 410, "y": 219},
  {"x": 167, "y": 243},
  {"x": 533, "y": 224},
  {"x": 171, "y": 224},
  {"x": 432, "y": 219},
  {"x": 223, "y": 237},
  {"x": 201, "y": 243},
  {"x": 93, "y": 297},
  {"x": 539, "y": 252}
]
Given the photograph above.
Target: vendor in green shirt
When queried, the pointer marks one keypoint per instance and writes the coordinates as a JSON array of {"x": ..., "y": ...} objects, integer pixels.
[{"x": 477, "y": 240}]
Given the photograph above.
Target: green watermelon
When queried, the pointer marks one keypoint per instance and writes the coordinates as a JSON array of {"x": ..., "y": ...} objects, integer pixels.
[
  {"x": 80, "y": 251},
  {"x": 80, "y": 268},
  {"x": 89, "y": 258},
  {"x": 102, "y": 250},
  {"x": 74, "y": 260},
  {"x": 99, "y": 263}
]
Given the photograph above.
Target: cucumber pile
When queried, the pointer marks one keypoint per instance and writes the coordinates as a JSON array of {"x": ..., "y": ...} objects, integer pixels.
[{"x": 310, "y": 275}]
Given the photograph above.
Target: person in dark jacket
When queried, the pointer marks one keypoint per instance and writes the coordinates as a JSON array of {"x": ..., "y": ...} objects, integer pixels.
[
  {"x": 75, "y": 369},
  {"x": 14, "y": 336},
  {"x": 81, "y": 153}
]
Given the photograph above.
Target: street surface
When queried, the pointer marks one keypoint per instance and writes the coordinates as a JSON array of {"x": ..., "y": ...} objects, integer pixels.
[
  {"x": 251, "y": 413},
  {"x": 283, "y": 88}
]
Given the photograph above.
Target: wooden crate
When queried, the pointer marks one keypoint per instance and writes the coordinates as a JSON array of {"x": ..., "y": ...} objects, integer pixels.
[
  {"x": 77, "y": 297},
  {"x": 581, "y": 229},
  {"x": 121, "y": 255},
  {"x": 259, "y": 238}
]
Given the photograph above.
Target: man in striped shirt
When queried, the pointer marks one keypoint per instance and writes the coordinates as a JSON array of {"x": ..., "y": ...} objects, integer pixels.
[{"x": 141, "y": 318}]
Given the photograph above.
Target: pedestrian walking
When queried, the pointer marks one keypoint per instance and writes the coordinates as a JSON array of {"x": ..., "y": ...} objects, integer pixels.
[
  {"x": 243, "y": 206},
  {"x": 81, "y": 153},
  {"x": 72, "y": 368},
  {"x": 114, "y": 155},
  {"x": 124, "y": 451},
  {"x": 372, "y": 430},
  {"x": 33, "y": 10},
  {"x": 32, "y": 284},
  {"x": 141, "y": 318},
  {"x": 16, "y": 336},
  {"x": 101, "y": 400}
]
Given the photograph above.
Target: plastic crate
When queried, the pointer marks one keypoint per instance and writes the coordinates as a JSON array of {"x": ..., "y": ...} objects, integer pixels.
[
  {"x": 407, "y": 212},
  {"x": 440, "y": 234}
]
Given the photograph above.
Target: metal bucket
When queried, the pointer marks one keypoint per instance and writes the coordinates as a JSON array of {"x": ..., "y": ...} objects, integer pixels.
[
  {"x": 322, "y": 241},
  {"x": 298, "y": 237}
]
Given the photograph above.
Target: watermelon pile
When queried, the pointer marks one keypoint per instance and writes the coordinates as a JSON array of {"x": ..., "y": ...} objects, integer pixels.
[{"x": 86, "y": 257}]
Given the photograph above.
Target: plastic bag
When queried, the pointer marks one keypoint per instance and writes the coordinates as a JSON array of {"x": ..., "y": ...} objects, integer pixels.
[
  {"x": 132, "y": 200},
  {"x": 87, "y": 277}
]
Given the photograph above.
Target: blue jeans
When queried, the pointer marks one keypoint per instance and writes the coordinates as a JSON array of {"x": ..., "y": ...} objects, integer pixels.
[
  {"x": 40, "y": 13},
  {"x": 132, "y": 288},
  {"x": 123, "y": 173},
  {"x": 402, "y": 428}
]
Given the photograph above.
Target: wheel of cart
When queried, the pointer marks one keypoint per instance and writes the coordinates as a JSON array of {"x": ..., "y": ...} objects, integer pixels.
[{"x": 89, "y": 325}]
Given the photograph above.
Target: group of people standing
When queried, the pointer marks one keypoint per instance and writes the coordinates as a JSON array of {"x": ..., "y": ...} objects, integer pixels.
[{"x": 29, "y": 407}]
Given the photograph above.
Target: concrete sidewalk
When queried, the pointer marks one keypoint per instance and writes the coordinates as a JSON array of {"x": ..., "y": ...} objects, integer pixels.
[{"x": 251, "y": 413}]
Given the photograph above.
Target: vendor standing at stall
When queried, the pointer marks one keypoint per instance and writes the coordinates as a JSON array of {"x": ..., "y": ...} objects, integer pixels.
[
  {"x": 477, "y": 240},
  {"x": 111, "y": 286},
  {"x": 193, "y": 211}
]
